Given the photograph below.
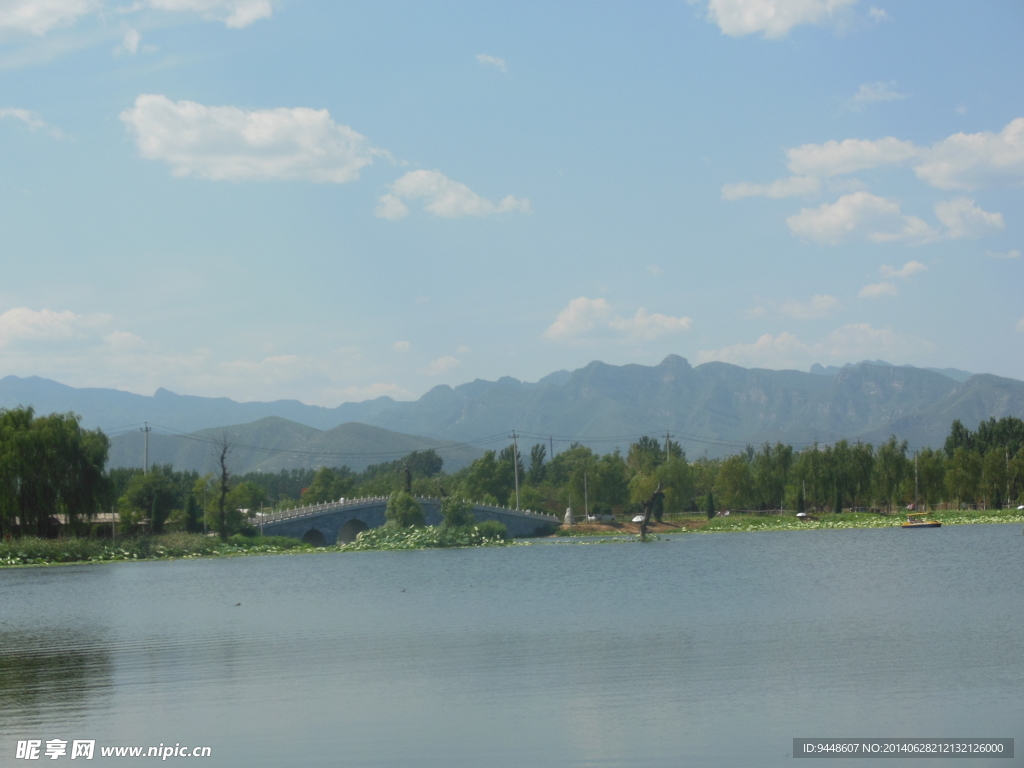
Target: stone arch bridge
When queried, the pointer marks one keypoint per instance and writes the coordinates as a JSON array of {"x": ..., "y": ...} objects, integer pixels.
[{"x": 339, "y": 522}]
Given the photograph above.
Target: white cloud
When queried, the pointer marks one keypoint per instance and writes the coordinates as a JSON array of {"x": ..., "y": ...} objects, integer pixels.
[
  {"x": 32, "y": 120},
  {"x": 1014, "y": 254},
  {"x": 791, "y": 187},
  {"x": 584, "y": 317},
  {"x": 877, "y": 14},
  {"x": 647, "y": 326},
  {"x": 878, "y": 290},
  {"x": 781, "y": 351},
  {"x": 581, "y": 315},
  {"x": 1020, "y": 325},
  {"x": 441, "y": 365},
  {"x": 234, "y": 13},
  {"x": 492, "y": 61},
  {"x": 907, "y": 270},
  {"x": 654, "y": 269},
  {"x": 39, "y": 17},
  {"x": 819, "y": 306},
  {"x": 775, "y": 18},
  {"x": 390, "y": 207},
  {"x": 130, "y": 44},
  {"x": 401, "y": 346},
  {"x": 834, "y": 158},
  {"x": 228, "y": 143},
  {"x": 973, "y": 160},
  {"x": 870, "y": 93},
  {"x": 25, "y": 324},
  {"x": 442, "y": 197},
  {"x": 960, "y": 161},
  {"x": 964, "y": 219},
  {"x": 123, "y": 342},
  {"x": 859, "y": 215},
  {"x": 854, "y": 341}
]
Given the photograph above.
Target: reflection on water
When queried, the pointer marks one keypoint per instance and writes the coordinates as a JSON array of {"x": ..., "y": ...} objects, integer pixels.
[
  {"x": 46, "y": 673},
  {"x": 702, "y": 650}
]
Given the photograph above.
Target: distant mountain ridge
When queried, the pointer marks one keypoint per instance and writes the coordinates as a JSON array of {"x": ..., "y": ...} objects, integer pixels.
[
  {"x": 831, "y": 370},
  {"x": 272, "y": 444},
  {"x": 712, "y": 408}
]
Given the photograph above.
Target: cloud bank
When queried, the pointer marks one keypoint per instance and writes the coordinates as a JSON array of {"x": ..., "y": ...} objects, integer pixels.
[
  {"x": 442, "y": 197},
  {"x": 773, "y": 18},
  {"x": 231, "y": 144},
  {"x": 39, "y": 17},
  {"x": 585, "y": 318}
]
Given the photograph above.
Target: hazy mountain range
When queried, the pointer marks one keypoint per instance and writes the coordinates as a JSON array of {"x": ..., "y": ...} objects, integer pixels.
[
  {"x": 714, "y": 408},
  {"x": 272, "y": 444}
]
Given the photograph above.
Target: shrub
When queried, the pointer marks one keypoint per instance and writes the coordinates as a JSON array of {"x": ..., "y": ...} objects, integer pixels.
[
  {"x": 457, "y": 513},
  {"x": 492, "y": 529},
  {"x": 403, "y": 511}
]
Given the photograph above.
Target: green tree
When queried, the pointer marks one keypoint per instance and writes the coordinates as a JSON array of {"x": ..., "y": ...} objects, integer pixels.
[
  {"x": 891, "y": 467},
  {"x": 192, "y": 523},
  {"x": 152, "y": 495},
  {"x": 994, "y": 468},
  {"x": 677, "y": 479},
  {"x": 247, "y": 496},
  {"x": 709, "y": 505},
  {"x": 931, "y": 475},
  {"x": 963, "y": 475},
  {"x": 485, "y": 478},
  {"x": 49, "y": 466},
  {"x": 734, "y": 485},
  {"x": 329, "y": 484},
  {"x": 1016, "y": 476},
  {"x": 457, "y": 513},
  {"x": 770, "y": 473},
  {"x": 403, "y": 511},
  {"x": 537, "y": 470},
  {"x": 959, "y": 437}
]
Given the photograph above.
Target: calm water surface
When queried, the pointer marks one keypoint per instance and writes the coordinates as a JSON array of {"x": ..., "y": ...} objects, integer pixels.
[{"x": 703, "y": 650}]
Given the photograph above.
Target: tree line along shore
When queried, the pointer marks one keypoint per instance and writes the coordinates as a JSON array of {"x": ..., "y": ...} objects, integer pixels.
[{"x": 54, "y": 481}]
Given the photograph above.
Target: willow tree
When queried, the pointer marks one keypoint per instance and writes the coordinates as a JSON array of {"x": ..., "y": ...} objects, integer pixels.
[{"x": 49, "y": 466}]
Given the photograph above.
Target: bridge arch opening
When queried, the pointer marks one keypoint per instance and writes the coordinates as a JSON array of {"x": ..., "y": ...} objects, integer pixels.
[
  {"x": 350, "y": 530},
  {"x": 314, "y": 537}
]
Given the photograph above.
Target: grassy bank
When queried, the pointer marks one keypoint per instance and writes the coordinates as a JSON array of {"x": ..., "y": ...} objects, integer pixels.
[
  {"x": 33, "y": 551},
  {"x": 854, "y": 520},
  {"x": 790, "y": 522}
]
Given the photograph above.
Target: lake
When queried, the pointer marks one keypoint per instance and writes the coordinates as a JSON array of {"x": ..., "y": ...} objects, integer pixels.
[{"x": 698, "y": 650}]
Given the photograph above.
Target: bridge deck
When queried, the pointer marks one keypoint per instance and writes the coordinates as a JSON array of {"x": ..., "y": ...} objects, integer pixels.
[{"x": 343, "y": 519}]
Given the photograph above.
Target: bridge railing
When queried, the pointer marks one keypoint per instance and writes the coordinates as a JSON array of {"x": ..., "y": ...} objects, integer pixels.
[{"x": 331, "y": 506}]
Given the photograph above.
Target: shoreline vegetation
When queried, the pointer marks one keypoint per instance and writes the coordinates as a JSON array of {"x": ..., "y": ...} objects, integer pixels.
[{"x": 30, "y": 551}]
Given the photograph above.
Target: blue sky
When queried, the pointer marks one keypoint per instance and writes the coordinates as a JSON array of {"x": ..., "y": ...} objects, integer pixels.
[{"x": 328, "y": 201}]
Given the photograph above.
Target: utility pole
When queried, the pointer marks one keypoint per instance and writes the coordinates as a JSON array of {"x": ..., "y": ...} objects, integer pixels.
[
  {"x": 586, "y": 501},
  {"x": 515, "y": 464},
  {"x": 147, "y": 429},
  {"x": 666, "y": 447},
  {"x": 551, "y": 442}
]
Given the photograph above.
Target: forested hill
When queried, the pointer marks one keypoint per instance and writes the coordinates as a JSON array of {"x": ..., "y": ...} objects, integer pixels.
[
  {"x": 708, "y": 407},
  {"x": 273, "y": 444}
]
